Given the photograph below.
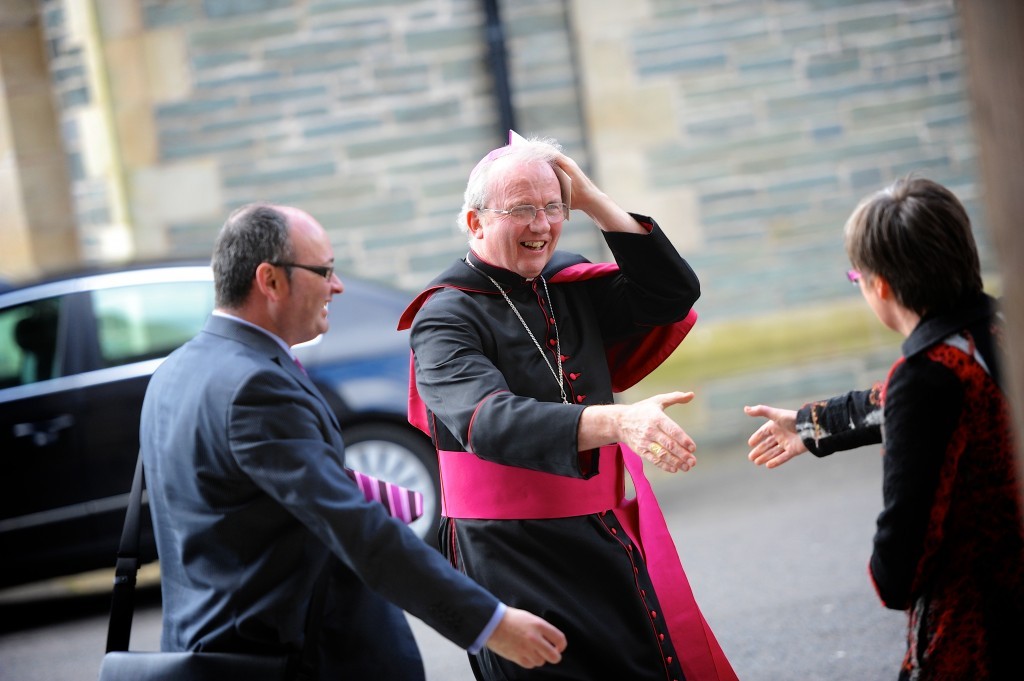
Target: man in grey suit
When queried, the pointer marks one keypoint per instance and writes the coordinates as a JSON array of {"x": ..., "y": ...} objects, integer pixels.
[{"x": 244, "y": 464}]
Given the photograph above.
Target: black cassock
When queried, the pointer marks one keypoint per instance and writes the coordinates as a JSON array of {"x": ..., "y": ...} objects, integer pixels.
[{"x": 486, "y": 388}]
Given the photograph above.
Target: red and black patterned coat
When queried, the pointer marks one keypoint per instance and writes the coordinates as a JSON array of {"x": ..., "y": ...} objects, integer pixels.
[{"x": 949, "y": 545}]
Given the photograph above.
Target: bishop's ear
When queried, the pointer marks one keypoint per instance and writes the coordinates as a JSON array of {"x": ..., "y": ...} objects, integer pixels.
[{"x": 476, "y": 227}]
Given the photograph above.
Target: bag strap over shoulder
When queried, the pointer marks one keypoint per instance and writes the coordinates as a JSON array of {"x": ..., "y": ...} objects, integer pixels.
[{"x": 122, "y": 604}]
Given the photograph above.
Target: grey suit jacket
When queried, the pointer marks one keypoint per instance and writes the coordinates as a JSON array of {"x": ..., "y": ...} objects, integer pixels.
[{"x": 244, "y": 467}]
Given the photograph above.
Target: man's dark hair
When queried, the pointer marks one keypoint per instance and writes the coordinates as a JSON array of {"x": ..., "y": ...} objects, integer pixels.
[
  {"x": 253, "y": 234},
  {"x": 916, "y": 234}
]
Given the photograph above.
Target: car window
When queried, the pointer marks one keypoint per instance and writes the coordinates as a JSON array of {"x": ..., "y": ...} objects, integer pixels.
[
  {"x": 28, "y": 342},
  {"x": 148, "y": 321}
]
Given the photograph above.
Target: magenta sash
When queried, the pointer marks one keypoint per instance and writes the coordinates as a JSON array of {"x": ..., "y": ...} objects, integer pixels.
[
  {"x": 514, "y": 493},
  {"x": 518, "y": 493}
]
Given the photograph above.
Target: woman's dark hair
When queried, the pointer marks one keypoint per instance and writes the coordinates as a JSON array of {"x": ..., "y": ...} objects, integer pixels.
[
  {"x": 916, "y": 234},
  {"x": 251, "y": 235}
]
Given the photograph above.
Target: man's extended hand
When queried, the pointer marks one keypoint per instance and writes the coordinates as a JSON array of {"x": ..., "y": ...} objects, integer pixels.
[
  {"x": 526, "y": 639},
  {"x": 649, "y": 431},
  {"x": 644, "y": 427}
]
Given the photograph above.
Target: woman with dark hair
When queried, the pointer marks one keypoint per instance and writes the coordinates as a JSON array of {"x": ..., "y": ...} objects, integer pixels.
[{"x": 949, "y": 544}]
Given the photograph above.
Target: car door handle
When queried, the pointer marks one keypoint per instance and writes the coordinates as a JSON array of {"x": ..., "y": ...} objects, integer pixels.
[{"x": 44, "y": 433}]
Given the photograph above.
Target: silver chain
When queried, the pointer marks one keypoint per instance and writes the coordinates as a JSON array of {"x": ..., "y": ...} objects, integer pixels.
[{"x": 558, "y": 342}]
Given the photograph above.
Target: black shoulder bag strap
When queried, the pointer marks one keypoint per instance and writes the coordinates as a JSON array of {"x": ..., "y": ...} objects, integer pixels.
[{"x": 122, "y": 604}]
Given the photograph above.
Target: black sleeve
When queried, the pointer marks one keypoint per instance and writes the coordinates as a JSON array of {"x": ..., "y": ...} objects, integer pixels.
[
  {"x": 277, "y": 439},
  {"x": 655, "y": 285},
  {"x": 842, "y": 422},
  {"x": 464, "y": 389}
]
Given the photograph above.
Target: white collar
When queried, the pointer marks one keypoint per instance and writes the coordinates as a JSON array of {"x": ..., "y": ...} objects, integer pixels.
[{"x": 277, "y": 339}]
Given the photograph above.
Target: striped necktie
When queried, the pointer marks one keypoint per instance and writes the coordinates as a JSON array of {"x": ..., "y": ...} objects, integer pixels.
[{"x": 404, "y": 504}]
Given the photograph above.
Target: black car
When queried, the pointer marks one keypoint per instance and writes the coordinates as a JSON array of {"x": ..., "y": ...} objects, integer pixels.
[{"x": 76, "y": 354}]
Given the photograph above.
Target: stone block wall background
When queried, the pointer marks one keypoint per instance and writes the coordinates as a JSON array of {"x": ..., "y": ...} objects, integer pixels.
[
  {"x": 368, "y": 114},
  {"x": 757, "y": 126},
  {"x": 36, "y": 223},
  {"x": 748, "y": 128}
]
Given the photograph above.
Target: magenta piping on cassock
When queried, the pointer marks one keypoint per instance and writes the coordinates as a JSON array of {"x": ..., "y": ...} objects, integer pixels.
[{"x": 514, "y": 492}]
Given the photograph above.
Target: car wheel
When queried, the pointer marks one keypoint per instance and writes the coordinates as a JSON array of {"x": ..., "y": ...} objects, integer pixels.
[{"x": 401, "y": 455}]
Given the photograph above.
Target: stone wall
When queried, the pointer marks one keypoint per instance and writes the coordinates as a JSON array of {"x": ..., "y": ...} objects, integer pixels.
[
  {"x": 756, "y": 127},
  {"x": 37, "y": 228},
  {"x": 367, "y": 114},
  {"x": 750, "y": 129}
]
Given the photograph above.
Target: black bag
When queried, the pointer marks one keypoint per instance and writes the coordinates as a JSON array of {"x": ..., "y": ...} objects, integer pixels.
[
  {"x": 126, "y": 665},
  {"x": 120, "y": 664}
]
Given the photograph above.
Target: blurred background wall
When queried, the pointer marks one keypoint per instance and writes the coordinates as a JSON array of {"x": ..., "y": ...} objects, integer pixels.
[{"x": 748, "y": 128}]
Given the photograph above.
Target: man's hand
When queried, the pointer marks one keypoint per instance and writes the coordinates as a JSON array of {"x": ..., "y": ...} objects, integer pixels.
[
  {"x": 776, "y": 441},
  {"x": 649, "y": 432},
  {"x": 644, "y": 427},
  {"x": 586, "y": 196},
  {"x": 526, "y": 639}
]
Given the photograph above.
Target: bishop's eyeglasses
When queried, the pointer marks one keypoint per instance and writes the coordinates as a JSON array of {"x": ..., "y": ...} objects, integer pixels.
[{"x": 524, "y": 215}]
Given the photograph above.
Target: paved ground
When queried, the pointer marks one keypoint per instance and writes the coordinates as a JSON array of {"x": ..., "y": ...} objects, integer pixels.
[{"x": 777, "y": 560}]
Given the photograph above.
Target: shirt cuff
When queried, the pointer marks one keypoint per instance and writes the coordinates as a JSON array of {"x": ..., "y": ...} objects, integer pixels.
[{"x": 478, "y": 644}]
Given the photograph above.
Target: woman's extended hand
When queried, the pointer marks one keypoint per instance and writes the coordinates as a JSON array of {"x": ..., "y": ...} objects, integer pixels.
[{"x": 776, "y": 441}]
